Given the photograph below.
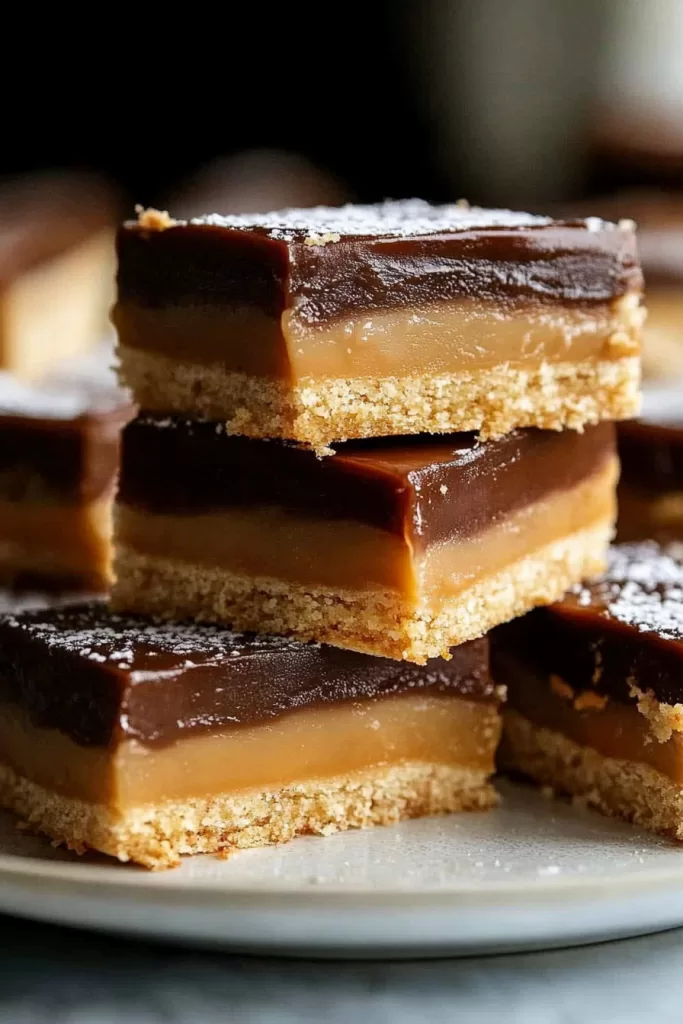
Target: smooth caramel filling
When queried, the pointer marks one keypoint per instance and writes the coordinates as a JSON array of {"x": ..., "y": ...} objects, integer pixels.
[
  {"x": 616, "y": 730},
  {"x": 447, "y": 569},
  {"x": 55, "y": 538},
  {"x": 466, "y": 335},
  {"x": 277, "y": 544},
  {"x": 314, "y": 744}
]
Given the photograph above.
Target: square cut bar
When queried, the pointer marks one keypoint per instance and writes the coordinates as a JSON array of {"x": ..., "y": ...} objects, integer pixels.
[
  {"x": 402, "y": 547},
  {"x": 56, "y": 269},
  {"x": 59, "y": 456},
  {"x": 595, "y": 690},
  {"x": 363, "y": 321},
  {"x": 149, "y": 741},
  {"x": 651, "y": 483}
]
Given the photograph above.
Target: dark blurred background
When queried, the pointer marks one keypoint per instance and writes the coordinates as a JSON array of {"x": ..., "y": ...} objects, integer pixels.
[{"x": 520, "y": 102}]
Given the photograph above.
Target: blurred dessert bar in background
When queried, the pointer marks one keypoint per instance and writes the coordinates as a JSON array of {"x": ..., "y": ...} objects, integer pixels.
[
  {"x": 659, "y": 219},
  {"x": 401, "y": 318},
  {"x": 59, "y": 453},
  {"x": 660, "y": 246},
  {"x": 595, "y": 690},
  {"x": 56, "y": 268},
  {"x": 400, "y": 547},
  {"x": 650, "y": 491},
  {"x": 149, "y": 741}
]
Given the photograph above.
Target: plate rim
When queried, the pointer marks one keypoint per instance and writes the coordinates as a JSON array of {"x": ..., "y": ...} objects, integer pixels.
[{"x": 16, "y": 868}]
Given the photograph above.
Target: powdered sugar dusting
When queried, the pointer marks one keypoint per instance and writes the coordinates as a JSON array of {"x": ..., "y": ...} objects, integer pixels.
[
  {"x": 127, "y": 643},
  {"x": 391, "y": 219},
  {"x": 82, "y": 385},
  {"x": 643, "y": 588}
]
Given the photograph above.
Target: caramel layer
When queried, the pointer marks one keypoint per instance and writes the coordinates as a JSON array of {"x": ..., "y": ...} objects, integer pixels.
[
  {"x": 617, "y": 730},
  {"x": 280, "y": 544},
  {"x": 307, "y": 745},
  {"x": 469, "y": 334},
  {"x": 55, "y": 539}
]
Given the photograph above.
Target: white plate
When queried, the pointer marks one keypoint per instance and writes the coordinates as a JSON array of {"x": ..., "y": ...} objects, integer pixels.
[{"x": 531, "y": 874}]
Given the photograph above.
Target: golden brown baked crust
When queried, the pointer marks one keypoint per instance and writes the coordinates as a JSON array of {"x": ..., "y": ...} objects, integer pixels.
[
  {"x": 493, "y": 401},
  {"x": 373, "y": 621},
  {"x": 158, "y": 836},
  {"x": 617, "y": 787}
]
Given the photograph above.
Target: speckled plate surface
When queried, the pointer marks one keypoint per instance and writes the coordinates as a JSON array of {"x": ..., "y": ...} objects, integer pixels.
[{"x": 534, "y": 873}]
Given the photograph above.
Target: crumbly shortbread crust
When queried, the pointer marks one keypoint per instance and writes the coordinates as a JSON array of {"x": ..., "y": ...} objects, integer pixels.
[
  {"x": 492, "y": 401},
  {"x": 158, "y": 836},
  {"x": 372, "y": 621},
  {"x": 617, "y": 787}
]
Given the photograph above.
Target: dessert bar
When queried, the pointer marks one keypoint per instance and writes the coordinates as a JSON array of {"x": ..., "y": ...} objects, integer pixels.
[
  {"x": 659, "y": 216},
  {"x": 59, "y": 453},
  {"x": 660, "y": 244},
  {"x": 56, "y": 269},
  {"x": 595, "y": 690},
  {"x": 399, "y": 547},
  {"x": 149, "y": 741},
  {"x": 651, "y": 484},
  {"x": 362, "y": 321}
]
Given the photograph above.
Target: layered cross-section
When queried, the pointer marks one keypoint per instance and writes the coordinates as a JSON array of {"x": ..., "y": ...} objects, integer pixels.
[
  {"x": 149, "y": 741},
  {"x": 595, "y": 690},
  {"x": 59, "y": 454},
  {"x": 402, "y": 318},
  {"x": 401, "y": 547},
  {"x": 651, "y": 484}
]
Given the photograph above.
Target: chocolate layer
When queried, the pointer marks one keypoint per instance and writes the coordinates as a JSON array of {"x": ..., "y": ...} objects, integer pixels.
[
  {"x": 651, "y": 454},
  {"x": 625, "y": 629},
  {"x": 424, "y": 488},
  {"x": 59, "y": 440},
  {"x": 659, "y": 216},
  {"x": 327, "y": 263},
  {"x": 101, "y": 679}
]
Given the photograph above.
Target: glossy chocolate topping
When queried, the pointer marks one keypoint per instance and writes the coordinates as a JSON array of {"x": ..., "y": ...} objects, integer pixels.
[
  {"x": 60, "y": 438},
  {"x": 324, "y": 264},
  {"x": 101, "y": 678},
  {"x": 426, "y": 488},
  {"x": 651, "y": 448},
  {"x": 626, "y": 628},
  {"x": 659, "y": 217}
]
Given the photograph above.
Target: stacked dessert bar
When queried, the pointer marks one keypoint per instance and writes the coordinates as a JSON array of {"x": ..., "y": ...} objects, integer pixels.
[
  {"x": 594, "y": 688},
  {"x": 651, "y": 484},
  {"x": 368, "y": 436}
]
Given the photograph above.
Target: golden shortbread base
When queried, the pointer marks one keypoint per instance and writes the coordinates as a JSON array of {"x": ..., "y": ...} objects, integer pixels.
[
  {"x": 493, "y": 401},
  {"x": 619, "y": 788},
  {"x": 157, "y": 836},
  {"x": 372, "y": 621}
]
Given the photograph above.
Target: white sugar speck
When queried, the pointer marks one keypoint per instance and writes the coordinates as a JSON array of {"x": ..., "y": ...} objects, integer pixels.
[
  {"x": 389, "y": 219},
  {"x": 643, "y": 588}
]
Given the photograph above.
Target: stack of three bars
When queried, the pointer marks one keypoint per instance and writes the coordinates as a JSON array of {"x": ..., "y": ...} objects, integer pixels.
[{"x": 253, "y": 345}]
